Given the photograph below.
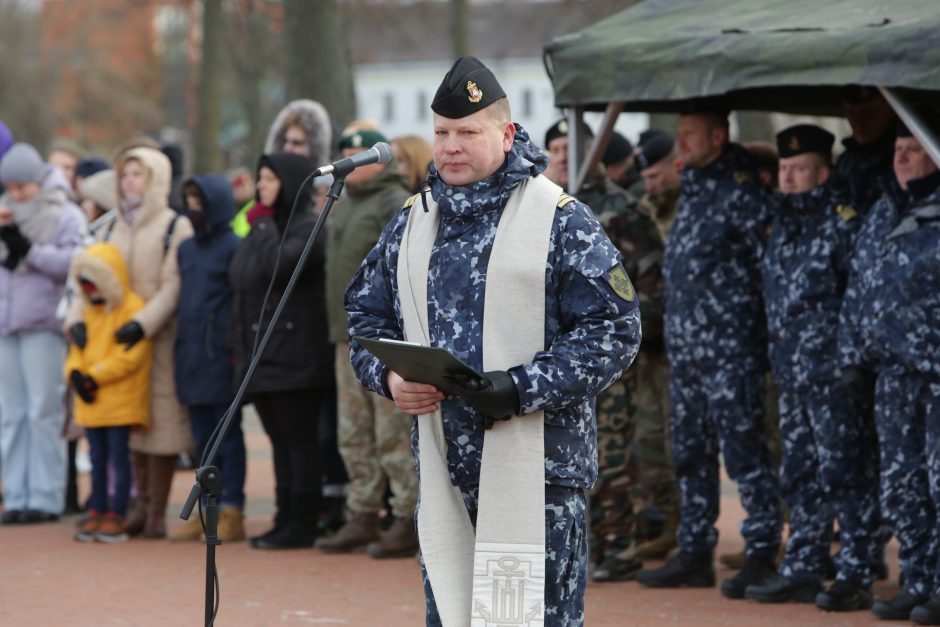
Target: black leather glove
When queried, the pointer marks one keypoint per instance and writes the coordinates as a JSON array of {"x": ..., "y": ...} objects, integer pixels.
[
  {"x": 858, "y": 379},
  {"x": 78, "y": 333},
  {"x": 495, "y": 396},
  {"x": 129, "y": 334},
  {"x": 16, "y": 242},
  {"x": 84, "y": 386}
]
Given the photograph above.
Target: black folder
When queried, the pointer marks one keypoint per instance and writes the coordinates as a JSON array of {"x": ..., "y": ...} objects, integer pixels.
[{"x": 421, "y": 364}]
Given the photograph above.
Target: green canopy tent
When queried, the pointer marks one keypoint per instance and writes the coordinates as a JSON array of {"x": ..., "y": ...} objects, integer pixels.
[{"x": 773, "y": 55}]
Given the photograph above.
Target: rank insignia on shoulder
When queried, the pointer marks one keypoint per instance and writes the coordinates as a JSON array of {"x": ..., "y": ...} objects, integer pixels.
[
  {"x": 563, "y": 200},
  {"x": 410, "y": 201},
  {"x": 620, "y": 284},
  {"x": 845, "y": 212},
  {"x": 742, "y": 177}
]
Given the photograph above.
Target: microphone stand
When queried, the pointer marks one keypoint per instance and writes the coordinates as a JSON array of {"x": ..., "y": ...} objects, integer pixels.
[{"x": 208, "y": 477}]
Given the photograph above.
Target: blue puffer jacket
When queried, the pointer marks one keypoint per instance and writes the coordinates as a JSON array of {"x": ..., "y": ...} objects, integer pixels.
[{"x": 203, "y": 357}]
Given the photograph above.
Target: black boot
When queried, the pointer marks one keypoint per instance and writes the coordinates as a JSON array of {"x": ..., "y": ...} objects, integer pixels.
[
  {"x": 780, "y": 589},
  {"x": 844, "y": 596},
  {"x": 899, "y": 607},
  {"x": 300, "y": 532},
  {"x": 281, "y": 515},
  {"x": 685, "y": 569},
  {"x": 928, "y": 613},
  {"x": 757, "y": 570},
  {"x": 332, "y": 517}
]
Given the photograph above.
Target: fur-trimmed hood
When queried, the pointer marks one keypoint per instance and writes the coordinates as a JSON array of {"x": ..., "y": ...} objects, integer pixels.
[
  {"x": 315, "y": 120},
  {"x": 157, "y": 192},
  {"x": 103, "y": 265}
]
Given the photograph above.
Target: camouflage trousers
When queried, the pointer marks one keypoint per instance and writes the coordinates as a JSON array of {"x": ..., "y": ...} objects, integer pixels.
[
  {"x": 653, "y": 441},
  {"x": 907, "y": 415},
  {"x": 566, "y": 558},
  {"x": 375, "y": 444},
  {"x": 721, "y": 410},
  {"x": 829, "y": 469},
  {"x": 613, "y": 524}
]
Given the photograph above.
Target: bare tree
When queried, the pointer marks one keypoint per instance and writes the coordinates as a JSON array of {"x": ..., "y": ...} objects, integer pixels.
[
  {"x": 208, "y": 153},
  {"x": 319, "y": 65}
]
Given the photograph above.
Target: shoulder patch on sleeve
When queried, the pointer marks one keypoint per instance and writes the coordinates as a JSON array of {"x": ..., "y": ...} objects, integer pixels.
[
  {"x": 741, "y": 176},
  {"x": 563, "y": 200},
  {"x": 845, "y": 212},
  {"x": 620, "y": 283},
  {"x": 410, "y": 201}
]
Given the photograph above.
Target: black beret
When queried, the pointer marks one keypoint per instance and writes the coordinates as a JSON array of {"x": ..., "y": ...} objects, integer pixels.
[
  {"x": 658, "y": 146},
  {"x": 716, "y": 105},
  {"x": 803, "y": 138},
  {"x": 617, "y": 150},
  {"x": 560, "y": 129},
  {"x": 468, "y": 87},
  {"x": 361, "y": 139},
  {"x": 930, "y": 116}
]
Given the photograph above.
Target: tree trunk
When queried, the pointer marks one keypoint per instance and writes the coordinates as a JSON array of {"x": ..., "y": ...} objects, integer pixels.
[
  {"x": 319, "y": 66},
  {"x": 208, "y": 153},
  {"x": 460, "y": 27}
]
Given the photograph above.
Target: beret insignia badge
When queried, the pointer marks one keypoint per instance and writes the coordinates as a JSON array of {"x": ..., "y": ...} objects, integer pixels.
[
  {"x": 476, "y": 94},
  {"x": 794, "y": 142}
]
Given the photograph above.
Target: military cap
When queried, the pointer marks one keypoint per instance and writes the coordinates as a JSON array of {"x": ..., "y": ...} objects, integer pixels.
[
  {"x": 930, "y": 116},
  {"x": 560, "y": 129},
  {"x": 803, "y": 138},
  {"x": 361, "y": 139},
  {"x": 618, "y": 149},
  {"x": 717, "y": 105},
  {"x": 468, "y": 87},
  {"x": 658, "y": 146}
]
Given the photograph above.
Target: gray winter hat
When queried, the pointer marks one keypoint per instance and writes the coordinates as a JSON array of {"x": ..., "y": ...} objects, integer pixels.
[{"x": 22, "y": 164}]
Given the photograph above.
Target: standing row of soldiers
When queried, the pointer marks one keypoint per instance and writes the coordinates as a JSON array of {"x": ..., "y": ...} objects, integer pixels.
[{"x": 837, "y": 297}]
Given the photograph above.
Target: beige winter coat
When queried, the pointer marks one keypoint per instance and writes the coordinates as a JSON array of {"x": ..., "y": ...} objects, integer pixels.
[{"x": 155, "y": 276}]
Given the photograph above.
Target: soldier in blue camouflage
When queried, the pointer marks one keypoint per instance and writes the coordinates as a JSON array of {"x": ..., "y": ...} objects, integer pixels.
[
  {"x": 716, "y": 343},
  {"x": 592, "y": 326},
  {"x": 829, "y": 461},
  {"x": 891, "y": 316},
  {"x": 864, "y": 168}
]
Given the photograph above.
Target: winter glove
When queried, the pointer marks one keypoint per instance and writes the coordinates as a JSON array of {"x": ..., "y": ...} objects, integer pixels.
[
  {"x": 858, "y": 379},
  {"x": 78, "y": 333},
  {"x": 259, "y": 211},
  {"x": 495, "y": 396},
  {"x": 84, "y": 385},
  {"x": 16, "y": 242},
  {"x": 129, "y": 334}
]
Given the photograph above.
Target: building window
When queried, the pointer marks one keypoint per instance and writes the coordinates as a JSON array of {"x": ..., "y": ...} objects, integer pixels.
[
  {"x": 527, "y": 103},
  {"x": 389, "y": 107},
  {"x": 422, "y": 106}
]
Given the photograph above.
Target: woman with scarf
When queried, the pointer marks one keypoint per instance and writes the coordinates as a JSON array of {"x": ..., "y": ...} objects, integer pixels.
[{"x": 39, "y": 230}]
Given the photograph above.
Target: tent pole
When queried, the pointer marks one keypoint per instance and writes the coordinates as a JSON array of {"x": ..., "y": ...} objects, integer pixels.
[
  {"x": 575, "y": 147},
  {"x": 600, "y": 142},
  {"x": 913, "y": 121}
]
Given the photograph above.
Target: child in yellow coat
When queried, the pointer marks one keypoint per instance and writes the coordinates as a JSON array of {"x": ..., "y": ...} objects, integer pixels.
[{"x": 112, "y": 383}]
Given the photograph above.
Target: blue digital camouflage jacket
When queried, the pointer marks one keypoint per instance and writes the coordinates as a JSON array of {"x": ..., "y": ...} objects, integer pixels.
[
  {"x": 714, "y": 307},
  {"x": 592, "y": 332},
  {"x": 891, "y": 311},
  {"x": 805, "y": 270}
]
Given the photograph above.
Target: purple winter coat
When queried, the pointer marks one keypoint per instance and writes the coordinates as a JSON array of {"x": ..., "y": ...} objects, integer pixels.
[{"x": 29, "y": 300}]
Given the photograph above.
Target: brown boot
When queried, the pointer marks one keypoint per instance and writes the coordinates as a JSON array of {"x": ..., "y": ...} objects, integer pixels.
[
  {"x": 658, "y": 548},
  {"x": 137, "y": 517},
  {"x": 401, "y": 540},
  {"x": 160, "y": 475},
  {"x": 359, "y": 531},
  {"x": 231, "y": 524},
  {"x": 189, "y": 532}
]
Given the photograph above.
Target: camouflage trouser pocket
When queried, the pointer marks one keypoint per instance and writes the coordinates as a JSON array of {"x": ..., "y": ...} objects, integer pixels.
[{"x": 565, "y": 556}]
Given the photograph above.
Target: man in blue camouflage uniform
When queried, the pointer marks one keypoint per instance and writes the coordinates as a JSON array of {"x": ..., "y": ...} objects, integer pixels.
[
  {"x": 716, "y": 343},
  {"x": 891, "y": 316},
  {"x": 592, "y": 324},
  {"x": 829, "y": 465},
  {"x": 864, "y": 168}
]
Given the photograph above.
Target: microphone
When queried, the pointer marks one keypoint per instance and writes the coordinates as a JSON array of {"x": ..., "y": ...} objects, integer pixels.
[{"x": 379, "y": 153}]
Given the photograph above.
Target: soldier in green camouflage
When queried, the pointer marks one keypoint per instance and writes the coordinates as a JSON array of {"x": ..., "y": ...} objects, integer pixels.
[{"x": 613, "y": 524}]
